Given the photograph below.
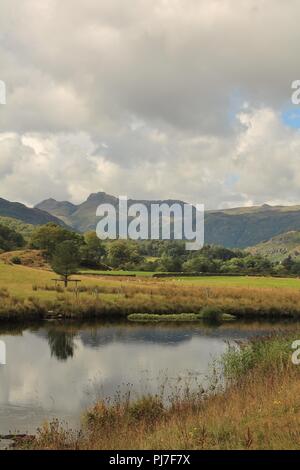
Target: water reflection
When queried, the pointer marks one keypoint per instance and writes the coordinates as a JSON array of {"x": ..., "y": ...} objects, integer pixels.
[
  {"x": 61, "y": 344},
  {"x": 57, "y": 369}
]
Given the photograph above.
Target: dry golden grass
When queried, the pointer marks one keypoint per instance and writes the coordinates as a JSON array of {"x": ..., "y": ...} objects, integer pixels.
[
  {"x": 29, "y": 258},
  {"x": 30, "y": 291}
]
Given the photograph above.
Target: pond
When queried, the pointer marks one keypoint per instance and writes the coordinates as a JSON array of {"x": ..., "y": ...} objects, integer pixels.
[{"x": 56, "y": 370}]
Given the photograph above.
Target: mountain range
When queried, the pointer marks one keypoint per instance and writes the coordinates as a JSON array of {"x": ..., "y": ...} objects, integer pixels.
[
  {"x": 234, "y": 228},
  {"x": 33, "y": 216}
]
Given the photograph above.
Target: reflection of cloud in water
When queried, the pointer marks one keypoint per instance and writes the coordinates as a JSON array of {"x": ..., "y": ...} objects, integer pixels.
[{"x": 50, "y": 370}]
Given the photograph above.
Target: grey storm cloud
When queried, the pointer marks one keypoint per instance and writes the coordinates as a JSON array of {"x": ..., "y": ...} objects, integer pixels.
[{"x": 150, "y": 98}]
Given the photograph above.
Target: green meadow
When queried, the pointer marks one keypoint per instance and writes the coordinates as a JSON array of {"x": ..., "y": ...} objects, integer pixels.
[
  {"x": 31, "y": 292},
  {"x": 243, "y": 281}
]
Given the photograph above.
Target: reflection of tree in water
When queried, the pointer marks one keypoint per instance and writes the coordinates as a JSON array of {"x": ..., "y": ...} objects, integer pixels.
[{"x": 61, "y": 344}]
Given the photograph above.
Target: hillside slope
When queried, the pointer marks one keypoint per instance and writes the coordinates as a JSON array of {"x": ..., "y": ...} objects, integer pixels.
[
  {"x": 26, "y": 214},
  {"x": 279, "y": 247},
  {"x": 26, "y": 230}
]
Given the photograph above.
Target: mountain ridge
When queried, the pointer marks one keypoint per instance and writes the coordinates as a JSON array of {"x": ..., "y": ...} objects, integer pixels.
[
  {"x": 19, "y": 211},
  {"x": 238, "y": 227}
]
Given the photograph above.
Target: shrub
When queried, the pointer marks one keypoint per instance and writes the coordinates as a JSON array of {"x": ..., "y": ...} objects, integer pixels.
[
  {"x": 210, "y": 313},
  {"x": 147, "y": 408},
  {"x": 271, "y": 354}
]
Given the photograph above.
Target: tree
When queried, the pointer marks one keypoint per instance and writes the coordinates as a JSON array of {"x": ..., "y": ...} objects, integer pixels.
[
  {"x": 61, "y": 344},
  {"x": 10, "y": 239},
  {"x": 295, "y": 269},
  {"x": 170, "y": 264},
  {"x": 217, "y": 252},
  {"x": 92, "y": 251},
  {"x": 234, "y": 265},
  {"x": 49, "y": 236},
  {"x": 122, "y": 254},
  {"x": 65, "y": 260},
  {"x": 201, "y": 264},
  {"x": 288, "y": 263},
  {"x": 173, "y": 248}
]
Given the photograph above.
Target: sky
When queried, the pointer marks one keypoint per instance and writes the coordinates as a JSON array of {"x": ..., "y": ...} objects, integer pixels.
[{"x": 153, "y": 99}]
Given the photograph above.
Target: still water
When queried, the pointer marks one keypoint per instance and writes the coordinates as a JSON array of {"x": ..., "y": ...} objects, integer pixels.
[{"x": 58, "y": 369}]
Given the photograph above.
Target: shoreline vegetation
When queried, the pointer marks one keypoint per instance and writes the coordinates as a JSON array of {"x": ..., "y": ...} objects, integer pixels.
[
  {"x": 31, "y": 294},
  {"x": 209, "y": 314},
  {"x": 259, "y": 408}
]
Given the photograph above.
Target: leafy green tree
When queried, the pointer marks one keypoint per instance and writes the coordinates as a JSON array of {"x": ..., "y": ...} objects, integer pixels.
[
  {"x": 123, "y": 254},
  {"x": 170, "y": 264},
  {"x": 10, "y": 239},
  {"x": 200, "y": 264},
  {"x": 295, "y": 269},
  {"x": 217, "y": 252},
  {"x": 49, "y": 236},
  {"x": 173, "y": 248},
  {"x": 150, "y": 247},
  {"x": 234, "y": 265},
  {"x": 257, "y": 264},
  {"x": 93, "y": 250},
  {"x": 65, "y": 260},
  {"x": 288, "y": 263}
]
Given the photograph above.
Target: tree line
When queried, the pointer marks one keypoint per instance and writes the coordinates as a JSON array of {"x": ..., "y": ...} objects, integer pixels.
[{"x": 67, "y": 251}]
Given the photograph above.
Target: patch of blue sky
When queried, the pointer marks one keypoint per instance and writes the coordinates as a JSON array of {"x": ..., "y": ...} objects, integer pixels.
[{"x": 291, "y": 117}]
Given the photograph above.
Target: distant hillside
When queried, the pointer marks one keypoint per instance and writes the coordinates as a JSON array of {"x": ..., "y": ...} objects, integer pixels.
[
  {"x": 24, "y": 229},
  {"x": 280, "y": 247},
  {"x": 233, "y": 228},
  {"x": 61, "y": 210},
  {"x": 83, "y": 216},
  {"x": 243, "y": 227},
  {"x": 26, "y": 214}
]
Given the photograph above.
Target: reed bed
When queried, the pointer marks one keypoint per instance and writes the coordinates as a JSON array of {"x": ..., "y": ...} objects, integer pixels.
[{"x": 163, "y": 298}]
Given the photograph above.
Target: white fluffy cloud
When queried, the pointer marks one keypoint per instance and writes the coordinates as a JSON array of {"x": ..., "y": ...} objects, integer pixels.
[{"x": 148, "y": 99}]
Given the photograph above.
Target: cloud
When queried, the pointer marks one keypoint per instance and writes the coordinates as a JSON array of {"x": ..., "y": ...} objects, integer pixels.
[{"x": 149, "y": 100}]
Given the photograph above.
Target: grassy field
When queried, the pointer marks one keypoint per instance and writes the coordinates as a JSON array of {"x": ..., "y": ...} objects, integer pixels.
[
  {"x": 259, "y": 409},
  {"x": 226, "y": 281},
  {"x": 30, "y": 292},
  {"x": 242, "y": 281},
  {"x": 95, "y": 272}
]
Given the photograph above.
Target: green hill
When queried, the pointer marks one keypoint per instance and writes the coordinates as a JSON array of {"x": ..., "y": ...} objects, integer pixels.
[
  {"x": 18, "y": 226},
  {"x": 280, "y": 247},
  {"x": 26, "y": 214},
  {"x": 62, "y": 210},
  {"x": 243, "y": 227}
]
